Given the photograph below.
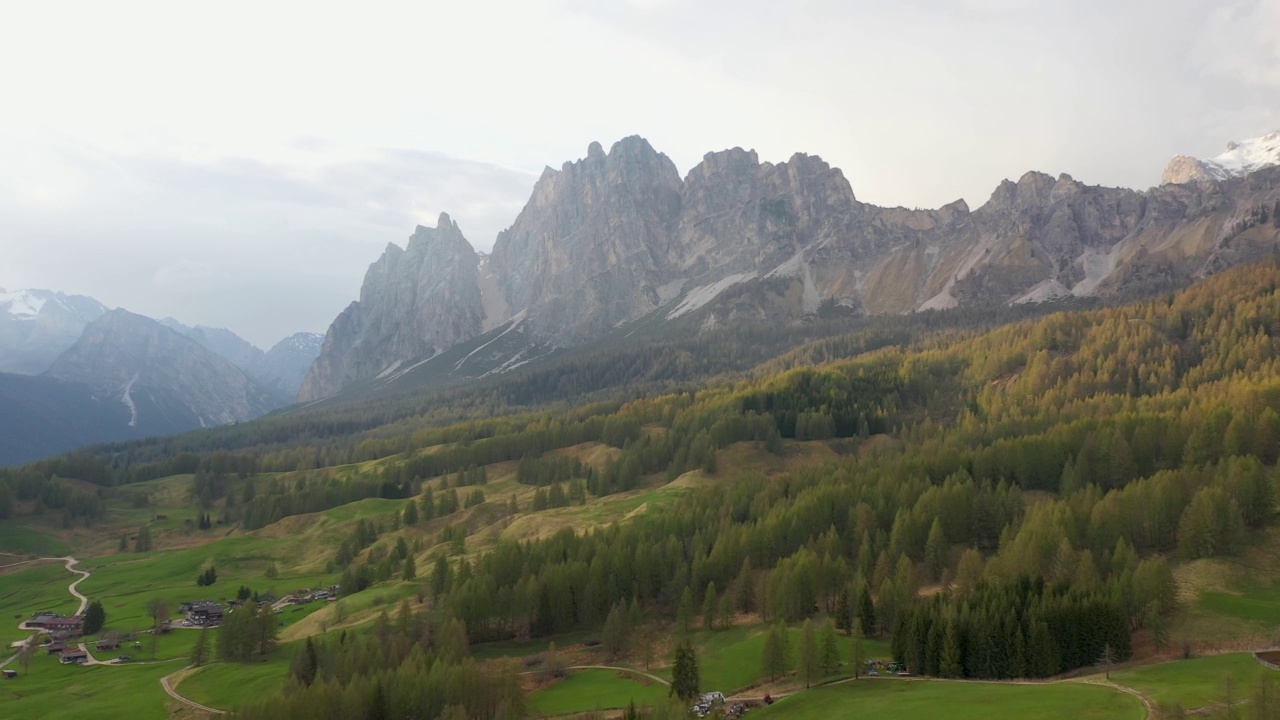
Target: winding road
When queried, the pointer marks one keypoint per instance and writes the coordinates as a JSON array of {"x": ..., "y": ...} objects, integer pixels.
[{"x": 167, "y": 681}]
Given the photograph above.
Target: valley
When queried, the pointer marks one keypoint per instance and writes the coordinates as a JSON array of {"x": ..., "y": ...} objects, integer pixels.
[{"x": 888, "y": 496}]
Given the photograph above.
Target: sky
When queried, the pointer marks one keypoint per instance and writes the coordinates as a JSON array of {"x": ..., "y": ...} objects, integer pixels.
[{"x": 240, "y": 164}]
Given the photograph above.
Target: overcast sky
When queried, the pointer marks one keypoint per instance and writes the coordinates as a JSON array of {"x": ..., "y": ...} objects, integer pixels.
[{"x": 240, "y": 164}]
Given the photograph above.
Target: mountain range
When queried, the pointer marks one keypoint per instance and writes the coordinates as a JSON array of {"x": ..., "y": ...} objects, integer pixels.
[
  {"x": 619, "y": 237},
  {"x": 76, "y": 373},
  {"x": 616, "y": 242}
]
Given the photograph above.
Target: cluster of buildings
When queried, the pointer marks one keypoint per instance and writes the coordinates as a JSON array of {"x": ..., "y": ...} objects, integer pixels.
[{"x": 203, "y": 613}]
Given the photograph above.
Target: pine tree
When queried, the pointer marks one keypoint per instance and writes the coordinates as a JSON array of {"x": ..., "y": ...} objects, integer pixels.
[
  {"x": 94, "y": 618},
  {"x": 935, "y": 550},
  {"x": 614, "y": 637},
  {"x": 684, "y": 613},
  {"x": 866, "y": 612},
  {"x": 200, "y": 653},
  {"x": 684, "y": 673},
  {"x": 844, "y": 611},
  {"x": 830, "y": 648},
  {"x": 306, "y": 664},
  {"x": 951, "y": 661},
  {"x": 709, "y": 607},
  {"x": 410, "y": 568},
  {"x": 776, "y": 658},
  {"x": 410, "y": 514},
  {"x": 859, "y": 651},
  {"x": 810, "y": 665}
]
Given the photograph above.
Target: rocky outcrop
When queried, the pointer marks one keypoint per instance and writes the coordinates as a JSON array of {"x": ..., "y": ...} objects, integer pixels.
[
  {"x": 169, "y": 383},
  {"x": 415, "y": 302}
]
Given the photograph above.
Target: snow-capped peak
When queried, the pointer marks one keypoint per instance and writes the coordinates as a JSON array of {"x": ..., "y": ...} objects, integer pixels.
[
  {"x": 1242, "y": 158},
  {"x": 21, "y": 304}
]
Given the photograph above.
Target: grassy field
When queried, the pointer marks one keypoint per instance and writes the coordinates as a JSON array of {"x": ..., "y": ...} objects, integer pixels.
[
  {"x": 956, "y": 701},
  {"x": 25, "y": 541},
  {"x": 1194, "y": 683},
  {"x": 228, "y": 685},
  {"x": 24, "y": 592},
  {"x": 588, "y": 690},
  {"x": 730, "y": 660},
  {"x": 67, "y": 692}
]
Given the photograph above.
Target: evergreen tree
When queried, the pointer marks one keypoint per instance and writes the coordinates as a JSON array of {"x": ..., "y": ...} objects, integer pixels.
[
  {"x": 709, "y": 607},
  {"x": 830, "y": 648},
  {"x": 866, "y": 612},
  {"x": 306, "y": 664},
  {"x": 844, "y": 611},
  {"x": 684, "y": 673},
  {"x": 951, "y": 661},
  {"x": 200, "y": 653},
  {"x": 684, "y": 613},
  {"x": 410, "y": 568},
  {"x": 410, "y": 514},
  {"x": 614, "y": 637},
  {"x": 859, "y": 657},
  {"x": 94, "y": 618},
  {"x": 810, "y": 665},
  {"x": 776, "y": 657}
]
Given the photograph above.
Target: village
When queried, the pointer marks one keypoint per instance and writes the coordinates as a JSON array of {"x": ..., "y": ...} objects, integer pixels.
[{"x": 62, "y": 635}]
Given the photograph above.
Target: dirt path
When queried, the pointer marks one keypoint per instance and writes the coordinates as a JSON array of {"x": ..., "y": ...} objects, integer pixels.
[
  {"x": 167, "y": 683},
  {"x": 84, "y": 575},
  {"x": 633, "y": 671}
]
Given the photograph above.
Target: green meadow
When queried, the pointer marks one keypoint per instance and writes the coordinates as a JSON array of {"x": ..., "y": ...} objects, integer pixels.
[
  {"x": 892, "y": 698},
  {"x": 587, "y": 690},
  {"x": 1194, "y": 683}
]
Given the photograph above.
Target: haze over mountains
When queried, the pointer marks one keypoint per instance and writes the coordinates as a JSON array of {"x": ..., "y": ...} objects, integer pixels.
[
  {"x": 616, "y": 241},
  {"x": 77, "y": 373},
  {"x": 619, "y": 236}
]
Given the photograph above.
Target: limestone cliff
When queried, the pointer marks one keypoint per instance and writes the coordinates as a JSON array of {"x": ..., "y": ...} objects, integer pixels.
[
  {"x": 618, "y": 236},
  {"x": 593, "y": 244},
  {"x": 415, "y": 302}
]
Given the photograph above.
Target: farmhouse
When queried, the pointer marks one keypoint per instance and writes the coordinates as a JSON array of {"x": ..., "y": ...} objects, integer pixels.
[
  {"x": 111, "y": 643},
  {"x": 73, "y": 656},
  {"x": 205, "y": 612},
  {"x": 55, "y": 623}
]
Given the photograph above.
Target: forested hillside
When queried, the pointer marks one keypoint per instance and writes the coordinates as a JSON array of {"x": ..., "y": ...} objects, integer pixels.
[{"x": 1041, "y": 480}]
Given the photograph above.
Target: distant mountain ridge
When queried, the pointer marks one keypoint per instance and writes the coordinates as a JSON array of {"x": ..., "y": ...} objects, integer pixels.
[
  {"x": 75, "y": 373},
  {"x": 38, "y": 325},
  {"x": 619, "y": 236}
]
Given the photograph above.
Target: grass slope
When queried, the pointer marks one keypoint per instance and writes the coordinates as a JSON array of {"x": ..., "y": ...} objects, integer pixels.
[
  {"x": 56, "y": 692},
  {"x": 1194, "y": 683},
  {"x": 956, "y": 701},
  {"x": 230, "y": 685},
  {"x": 587, "y": 690}
]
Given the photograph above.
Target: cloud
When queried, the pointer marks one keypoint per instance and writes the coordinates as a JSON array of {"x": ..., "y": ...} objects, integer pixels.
[
  {"x": 1241, "y": 43},
  {"x": 265, "y": 247}
]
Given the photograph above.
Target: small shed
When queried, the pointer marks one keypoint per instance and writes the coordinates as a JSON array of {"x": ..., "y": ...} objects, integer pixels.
[{"x": 10, "y": 674}]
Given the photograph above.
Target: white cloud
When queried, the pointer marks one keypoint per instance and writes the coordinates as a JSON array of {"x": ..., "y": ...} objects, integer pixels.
[{"x": 145, "y": 139}]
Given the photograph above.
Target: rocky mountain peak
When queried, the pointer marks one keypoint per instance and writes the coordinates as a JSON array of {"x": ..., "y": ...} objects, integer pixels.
[
  {"x": 414, "y": 302},
  {"x": 1240, "y": 159},
  {"x": 605, "y": 219},
  {"x": 168, "y": 381}
]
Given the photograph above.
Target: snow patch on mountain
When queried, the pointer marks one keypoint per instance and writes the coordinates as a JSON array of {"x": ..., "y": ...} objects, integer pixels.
[
  {"x": 700, "y": 296},
  {"x": 21, "y": 304},
  {"x": 1242, "y": 158}
]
